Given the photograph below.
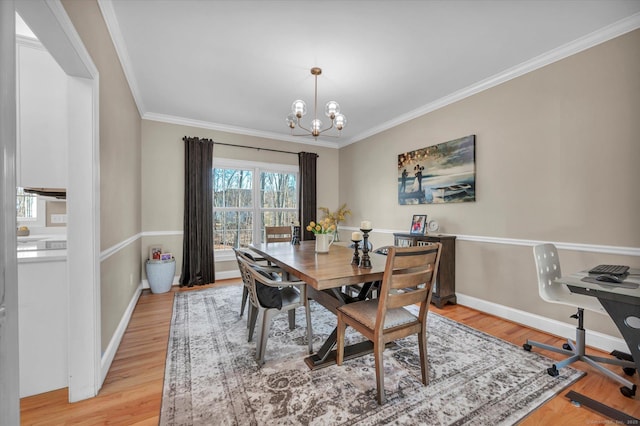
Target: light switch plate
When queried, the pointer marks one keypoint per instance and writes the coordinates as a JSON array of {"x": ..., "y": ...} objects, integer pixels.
[{"x": 58, "y": 218}]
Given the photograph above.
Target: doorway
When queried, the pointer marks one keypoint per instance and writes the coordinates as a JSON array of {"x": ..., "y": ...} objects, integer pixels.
[{"x": 51, "y": 25}]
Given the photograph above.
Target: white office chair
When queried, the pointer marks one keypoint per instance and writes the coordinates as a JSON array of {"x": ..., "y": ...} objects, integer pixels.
[{"x": 548, "y": 267}]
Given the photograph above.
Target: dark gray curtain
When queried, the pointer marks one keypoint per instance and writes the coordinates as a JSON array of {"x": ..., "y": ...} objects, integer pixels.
[
  {"x": 197, "y": 263},
  {"x": 307, "y": 208}
]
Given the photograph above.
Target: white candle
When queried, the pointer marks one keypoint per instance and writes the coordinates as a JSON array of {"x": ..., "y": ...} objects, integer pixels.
[
  {"x": 365, "y": 224},
  {"x": 356, "y": 236}
]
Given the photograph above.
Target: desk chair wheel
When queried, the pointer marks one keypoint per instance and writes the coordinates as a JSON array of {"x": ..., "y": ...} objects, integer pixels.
[
  {"x": 526, "y": 347},
  {"x": 629, "y": 371},
  {"x": 553, "y": 371},
  {"x": 628, "y": 392},
  {"x": 566, "y": 347}
]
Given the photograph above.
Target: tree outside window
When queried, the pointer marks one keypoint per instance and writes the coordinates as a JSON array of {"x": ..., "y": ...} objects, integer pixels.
[{"x": 248, "y": 198}]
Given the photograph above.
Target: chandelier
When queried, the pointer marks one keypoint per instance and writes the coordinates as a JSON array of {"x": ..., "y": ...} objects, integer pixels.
[{"x": 331, "y": 110}]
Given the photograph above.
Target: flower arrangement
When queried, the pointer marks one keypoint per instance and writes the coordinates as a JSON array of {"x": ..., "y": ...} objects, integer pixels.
[
  {"x": 322, "y": 227},
  {"x": 338, "y": 216}
]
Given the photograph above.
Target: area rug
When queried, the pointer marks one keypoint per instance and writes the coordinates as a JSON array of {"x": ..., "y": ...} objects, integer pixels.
[{"x": 212, "y": 378}]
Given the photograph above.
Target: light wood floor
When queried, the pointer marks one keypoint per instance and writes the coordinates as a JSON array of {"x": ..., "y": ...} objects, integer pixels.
[{"x": 132, "y": 391}]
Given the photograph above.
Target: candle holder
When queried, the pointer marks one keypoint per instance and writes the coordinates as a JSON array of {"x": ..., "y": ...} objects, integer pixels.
[
  {"x": 295, "y": 237},
  {"x": 356, "y": 254},
  {"x": 365, "y": 262}
]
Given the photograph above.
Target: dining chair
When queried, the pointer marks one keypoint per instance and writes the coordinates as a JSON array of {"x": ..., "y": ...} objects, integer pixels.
[
  {"x": 277, "y": 234},
  {"x": 548, "y": 270},
  {"x": 408, "y": 279},
  {"x": 268, "y": 298},
  {"x": 255, "y": 259}
]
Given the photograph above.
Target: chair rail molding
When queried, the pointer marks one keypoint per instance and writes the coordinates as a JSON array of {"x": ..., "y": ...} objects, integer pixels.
[{"x": 594, "y": 248}]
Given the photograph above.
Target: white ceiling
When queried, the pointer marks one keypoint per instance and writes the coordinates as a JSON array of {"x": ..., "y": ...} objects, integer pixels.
[{"x": 238, "y": 65}]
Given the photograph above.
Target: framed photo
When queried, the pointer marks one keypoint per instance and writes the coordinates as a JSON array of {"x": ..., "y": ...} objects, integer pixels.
[
  {"x": 166, "y": 256},
  {"x": 418, "y": 224},
  {"x": 155, "y": 252}
]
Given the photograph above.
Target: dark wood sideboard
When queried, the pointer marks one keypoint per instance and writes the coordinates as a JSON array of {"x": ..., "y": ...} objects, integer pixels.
[{"x": 445, "y": 289}]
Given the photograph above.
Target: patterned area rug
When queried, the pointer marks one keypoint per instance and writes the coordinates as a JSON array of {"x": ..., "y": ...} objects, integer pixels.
[{"x": 211, "y": 376}]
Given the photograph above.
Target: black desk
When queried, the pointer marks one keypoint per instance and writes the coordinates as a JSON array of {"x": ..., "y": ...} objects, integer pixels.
[{"x": 622, "y": 303}]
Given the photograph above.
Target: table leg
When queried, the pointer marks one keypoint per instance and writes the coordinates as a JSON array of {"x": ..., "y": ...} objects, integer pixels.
[
  {"x": 326, "y": 355},
  {"x": 621, "y": 314}
]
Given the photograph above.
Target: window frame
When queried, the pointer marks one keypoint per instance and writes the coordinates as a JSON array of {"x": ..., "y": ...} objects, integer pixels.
[
  {"x": 256, "y": 168},
  {"x": 41, "y": 213}
]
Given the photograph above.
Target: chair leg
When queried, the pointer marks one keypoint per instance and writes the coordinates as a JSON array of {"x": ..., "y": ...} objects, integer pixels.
[
  {"x": 378, "y": 348},
  {"x": 307, "y": 309},
  {"x": 424, "y": 364},
  {"x": 245, "y": 295},
  {"x": 292, "y": 319},
  {"x": 340, "y": 339},
  {"x": 267, "y": 317},
  {"x": 251, "y": 323}
]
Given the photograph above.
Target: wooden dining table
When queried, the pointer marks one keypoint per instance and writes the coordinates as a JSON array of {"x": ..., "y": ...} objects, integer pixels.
[{"x": 326, "y": 274}]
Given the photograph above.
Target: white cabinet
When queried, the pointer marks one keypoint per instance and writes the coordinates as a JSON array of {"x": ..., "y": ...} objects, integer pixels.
[
  {"x": 43, "y": 315},
  {"x": 43, "y": 123}
]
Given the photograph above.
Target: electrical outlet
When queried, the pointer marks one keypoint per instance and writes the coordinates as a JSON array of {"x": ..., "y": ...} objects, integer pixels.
[{"x": 58, "y": 218}]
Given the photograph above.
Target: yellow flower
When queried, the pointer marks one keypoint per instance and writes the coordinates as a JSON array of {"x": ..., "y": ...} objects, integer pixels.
[{"x": 320, "y": 227}]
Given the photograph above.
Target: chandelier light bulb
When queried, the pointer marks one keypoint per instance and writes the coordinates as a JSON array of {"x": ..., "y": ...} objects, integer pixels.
[
  {"x": 331, "y": 109},
  {"x": 340, "y": 121},
  {"x": 291, "y": 120},
  {"x": 299, "y": 108}
]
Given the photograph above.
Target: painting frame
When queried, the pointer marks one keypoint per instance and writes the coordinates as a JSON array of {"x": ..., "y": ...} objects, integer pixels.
[
  {"x": 418, "y": 224},
  {"x": 155, "y": 252},
  {"x": 438, "y": 174}
]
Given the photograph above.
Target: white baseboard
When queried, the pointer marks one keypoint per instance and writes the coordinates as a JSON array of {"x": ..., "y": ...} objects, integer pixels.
[
  {"x": 110, "y": 353},
  {"x": 595, "y": 339},
  {"x": 226, "y": 275}
]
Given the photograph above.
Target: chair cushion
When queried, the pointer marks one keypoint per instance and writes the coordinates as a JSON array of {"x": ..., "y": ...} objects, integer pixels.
[
  {"x": 269, "y": 297},
  {"x": 366, "y": 311}
]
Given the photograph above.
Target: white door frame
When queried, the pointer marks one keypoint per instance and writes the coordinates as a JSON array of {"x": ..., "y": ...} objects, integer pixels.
[
  {"x": 51, "y": 24},
  {"x": 9, "y": 361}
]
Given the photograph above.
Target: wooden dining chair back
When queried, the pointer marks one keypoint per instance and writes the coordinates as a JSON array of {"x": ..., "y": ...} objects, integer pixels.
[
  {"x": 277, "y": 234},
  {"x": 408, "y": 279},
  {"x": 270, "y": 297}
]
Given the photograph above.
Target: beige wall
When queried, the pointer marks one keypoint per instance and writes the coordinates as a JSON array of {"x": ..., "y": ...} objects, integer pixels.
[
  {"x": 120, "y": 179},
  {"x": 163, "y": 178},
  {"x": 557, "y": 154}
]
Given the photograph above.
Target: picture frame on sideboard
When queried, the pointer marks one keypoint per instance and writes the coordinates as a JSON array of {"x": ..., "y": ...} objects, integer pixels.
[{"x": 418, "y": 224}]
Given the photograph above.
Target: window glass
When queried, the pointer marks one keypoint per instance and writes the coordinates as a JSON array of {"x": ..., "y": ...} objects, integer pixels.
[
  {"x": 26, "y": 206},
  {"x": 247, "y": 197}
]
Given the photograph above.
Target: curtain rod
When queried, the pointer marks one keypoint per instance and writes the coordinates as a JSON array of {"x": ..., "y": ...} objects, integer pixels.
[
  {"x": 253, "y": 147},
  {"x": 245, "y": 146}
]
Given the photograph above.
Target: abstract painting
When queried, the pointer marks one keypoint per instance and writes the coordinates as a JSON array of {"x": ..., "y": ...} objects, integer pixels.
[{"x": 442, "y": 173}]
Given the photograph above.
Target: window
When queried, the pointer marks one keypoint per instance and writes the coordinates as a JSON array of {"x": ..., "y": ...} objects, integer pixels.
[
  {"x": 248, "y": 196},
  {"x": 26, "y": 206},
  {"x": 30, "y": 209}
]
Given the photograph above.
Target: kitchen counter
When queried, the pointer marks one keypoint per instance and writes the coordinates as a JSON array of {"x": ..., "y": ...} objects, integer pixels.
[{"x": 42, "y": 248}]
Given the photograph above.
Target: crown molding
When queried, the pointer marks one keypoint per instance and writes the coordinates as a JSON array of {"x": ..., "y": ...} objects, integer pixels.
[
  {"x": 590, "y": 40},
  {"x": 233, "y": 129},
  {"x": 583, "y": 43}
]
